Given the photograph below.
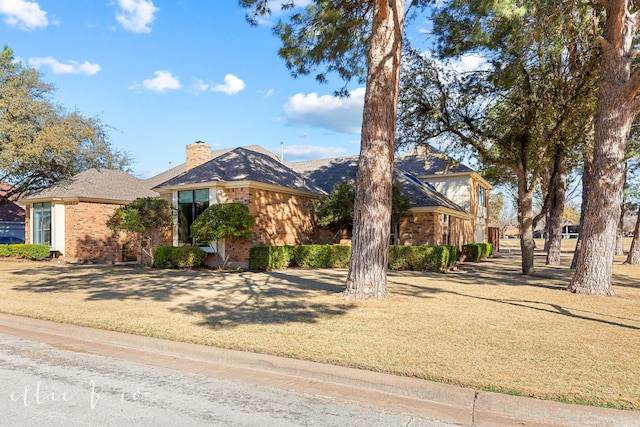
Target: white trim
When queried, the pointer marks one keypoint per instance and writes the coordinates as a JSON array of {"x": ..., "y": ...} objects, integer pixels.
[
  {"x": 58, "y": 227},
  {"x": 475, "y": 175},
  {"x": 239, "y": 184},
  {"x": 174, "y": 204},
  {"x": 442, "y": 209}
]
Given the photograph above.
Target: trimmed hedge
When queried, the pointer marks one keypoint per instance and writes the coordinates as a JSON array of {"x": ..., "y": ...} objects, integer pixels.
[
  {"x": 422, "y": 258},
  {"x": 33, "y": 252},
  {"x": 477, "y": 251},
  {"x": 304, "y": 256},
  {"x": 433, "y": 258},
  {"x": 6, "y": 251},
  {"x": 178, "y": 257}
]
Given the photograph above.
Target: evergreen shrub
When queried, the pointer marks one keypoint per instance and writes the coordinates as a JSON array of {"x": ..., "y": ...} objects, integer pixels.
[
  {"x": 178, "y": 257},
  {"x": 28, "y": 251},
  {"x": 477, "y": 251}
]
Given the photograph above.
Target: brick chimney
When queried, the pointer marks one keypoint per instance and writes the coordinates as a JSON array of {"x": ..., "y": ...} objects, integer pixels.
[{"x": 197, "y": 154}]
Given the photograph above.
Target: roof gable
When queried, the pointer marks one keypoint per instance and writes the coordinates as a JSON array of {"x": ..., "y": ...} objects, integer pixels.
[
  {"x": 100, "y": 184},
  {"x": 421, "y": 194},
  {"x": 423, "y": 161},
  {"x": 244, "y": 164}
]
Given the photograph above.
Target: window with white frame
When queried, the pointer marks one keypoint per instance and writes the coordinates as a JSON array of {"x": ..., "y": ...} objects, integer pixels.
[
  {"x": 445, "y": 221},
  {"x": 42, "y": 223},
  {"x": 482, "y": 201},
  {"x": 191, "y": 204}
]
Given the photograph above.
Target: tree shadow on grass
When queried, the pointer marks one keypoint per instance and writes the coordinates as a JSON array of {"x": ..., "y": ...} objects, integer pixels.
[
  {"x": 548, "y": 307},
  {"x": 221, "y": 299},
  {"x": 107, "y": 282},
  {"x": 271, "y": 298}
]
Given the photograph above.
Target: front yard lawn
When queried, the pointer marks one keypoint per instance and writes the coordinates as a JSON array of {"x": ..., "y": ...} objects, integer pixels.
[{"x": 484, "y": 327}]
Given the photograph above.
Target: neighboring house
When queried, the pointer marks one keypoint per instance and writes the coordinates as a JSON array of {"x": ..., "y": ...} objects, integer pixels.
[
  {"x": 11, "y": 219},
  {"x": 281, "y": 195}
]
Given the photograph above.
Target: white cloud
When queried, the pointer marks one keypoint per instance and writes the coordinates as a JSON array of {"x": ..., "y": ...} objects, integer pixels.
[
  {"x": 72, "y": 67},
  {"x": 472, "y": 62},
  {"x": 136, "y": 15},
  {"x": 327, "y": 112},
  {"x": 309, "y": 152},
  {"x": 23, "y": 14},
  {"x": 266, "y": 93},
  {"x": 276, "y": 10},
  {"x": 232, "y": 85},
  {"x": 162, "y": 82}
]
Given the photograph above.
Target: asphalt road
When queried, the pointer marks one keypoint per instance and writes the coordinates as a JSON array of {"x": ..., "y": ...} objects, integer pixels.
[{"x": 41, "y": 385}]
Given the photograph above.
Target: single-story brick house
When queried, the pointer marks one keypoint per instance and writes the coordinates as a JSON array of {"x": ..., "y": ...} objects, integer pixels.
[
  {"x": 280, "y": 195},
  {"x": 71, "y": 216}
]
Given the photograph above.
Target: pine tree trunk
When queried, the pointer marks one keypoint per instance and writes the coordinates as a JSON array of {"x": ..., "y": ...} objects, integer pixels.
[
  {"x": 525, "y": 223},
  {"x": 556, "y": 210},
  {"x": 367, "y": 276},
  {"x": 633, "y": 257},
  {"x": 619, "y": 248},
  {"x": 620, "y": 230},
  {"x": 612, "y": 123},
  {"x": 585, "y": 189}
]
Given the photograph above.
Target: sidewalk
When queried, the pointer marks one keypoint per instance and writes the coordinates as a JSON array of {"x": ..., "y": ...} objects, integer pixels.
[{"x": 443, "y": 402}]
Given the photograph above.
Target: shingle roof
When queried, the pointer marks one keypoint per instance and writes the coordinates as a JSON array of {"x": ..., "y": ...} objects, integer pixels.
[
  {"x": 429, "y": 161},
  {"x": 326, "y": 173},
  {"x": 165, "y": 176},
  {"x": 11, "y": 212},
  {"x": 244, "y": 164},
  {"x": 421, "y": 194},
  {"x": 256, "y": 148},
  {"x": 102, "y": 184}
]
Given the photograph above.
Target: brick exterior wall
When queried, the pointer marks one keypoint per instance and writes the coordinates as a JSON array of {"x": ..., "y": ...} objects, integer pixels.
[
  {"x": 425, "y": 228},
  {"x": 87, "y": 237},
  {"x": 419, "y": 229},
  {"x": 281, "y": 219},
  {"x": 197, "y": 154}
]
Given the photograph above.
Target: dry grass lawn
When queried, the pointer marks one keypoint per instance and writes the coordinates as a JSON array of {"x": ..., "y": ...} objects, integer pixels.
[{"x": 484, "y": 326}]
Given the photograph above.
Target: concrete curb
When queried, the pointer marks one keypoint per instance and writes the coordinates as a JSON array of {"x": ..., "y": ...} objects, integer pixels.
[{"x": 438, "y": 401}]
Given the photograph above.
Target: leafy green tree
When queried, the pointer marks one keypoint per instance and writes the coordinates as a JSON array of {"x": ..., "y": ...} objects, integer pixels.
[
  {"x": 337, "y": 36},
  {"x": 40, "y": 142},
  {"x": 229, "y": 221},
  {"x": 524, "y": 109},
  {"x": 148, "y": 218},
  {"x": 335, "y": 212}
]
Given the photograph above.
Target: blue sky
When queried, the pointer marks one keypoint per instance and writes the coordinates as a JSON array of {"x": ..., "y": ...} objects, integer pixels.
[{"x": 166, "y": 73}]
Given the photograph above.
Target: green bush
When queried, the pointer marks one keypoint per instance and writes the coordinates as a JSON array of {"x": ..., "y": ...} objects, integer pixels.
[
  {"x": 5, "y": 251},
  {"x": 33, "y": 252},
  {"x": 188, "y": 257},
  {"x": 422, "y": 258},
  {"x": 477, "y": 251},
  {"x": 162, "y": 256},
  {"x": 179, "y": 257},
  {"x": 320, "y": 256},
  {"x": 433, "y": 258},
  {"x": 270, "y": 257}
]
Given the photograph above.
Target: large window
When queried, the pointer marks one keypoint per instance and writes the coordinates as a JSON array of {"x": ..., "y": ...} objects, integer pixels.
[
  {"x": 190, "y": 205},
  {"x": 446, "y": 229},
  {"x": 482, "y": 202},
  {"x": 42, "y": 223}
]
